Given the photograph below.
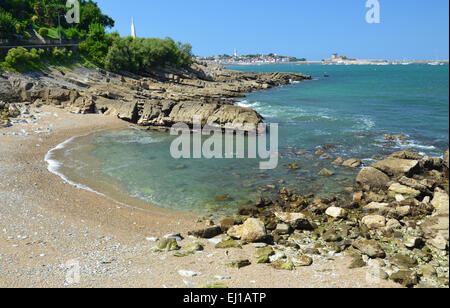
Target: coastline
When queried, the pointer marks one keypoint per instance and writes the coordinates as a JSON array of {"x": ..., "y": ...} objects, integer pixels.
[{"x": 47, "y": 222}]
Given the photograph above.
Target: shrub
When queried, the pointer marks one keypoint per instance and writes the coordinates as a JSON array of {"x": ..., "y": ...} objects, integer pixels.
[
  {"x": 43, "y": 32},
  {"x": 7, "y": 25},
  {"x": 21, "y": 56},
  {"x": 140, "y": 55},
  {"x": 96, "y": 45}
]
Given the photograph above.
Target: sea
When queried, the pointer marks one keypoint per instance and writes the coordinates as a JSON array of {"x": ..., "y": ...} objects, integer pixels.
[{"x": 349, "y": 109}]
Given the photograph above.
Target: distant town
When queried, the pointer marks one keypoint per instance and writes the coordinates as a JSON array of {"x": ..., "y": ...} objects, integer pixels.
[
  {"x": 270, "y": 58},
  {"x": 273, "y": 58}
]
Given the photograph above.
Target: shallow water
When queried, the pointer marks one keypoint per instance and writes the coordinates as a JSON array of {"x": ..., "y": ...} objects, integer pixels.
[{"x": 352, "y": 109}]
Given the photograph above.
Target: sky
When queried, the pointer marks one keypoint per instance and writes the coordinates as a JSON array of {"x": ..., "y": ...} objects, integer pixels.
[{"x": 313, "y": 29}]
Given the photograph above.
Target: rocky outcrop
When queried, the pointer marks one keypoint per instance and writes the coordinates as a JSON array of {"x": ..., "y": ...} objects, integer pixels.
[
  {"x": 372, "y": 177},
  {"x": 160, "y": 99}
]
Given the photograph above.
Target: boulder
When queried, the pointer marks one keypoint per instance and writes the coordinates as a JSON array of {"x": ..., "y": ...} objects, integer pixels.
[
  {"x": 297, "y": 221},
  {"x": 406, "y": 278},
  {"x": 326, "y": 172},
  {"x": 338, "y": 161},
  {"x": 435, "y": 227},
  {"x": 253, "y": 230},
  {"x": 403, "y": 261},
  {"x": 446, "y": 159},
  {"x": 352, "y": 163},
  {"x": 336, "y": 212},
  {"x": 397, "y": 166},
  {"x": 370, "y": 248},
  {"x": 407, "y": 154},
  {"x": 374, "y": 221},
  {"x": 263, "y": 255},
  {"x": 207, "y": 232},
  {"x": 372, "y": 177},
  {"x": 440, "y": 199},
  {"x": 404, "y": 190}
]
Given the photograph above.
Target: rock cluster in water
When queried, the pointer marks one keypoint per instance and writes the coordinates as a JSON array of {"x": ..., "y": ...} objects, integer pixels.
[{"x": 396, "y": 224}]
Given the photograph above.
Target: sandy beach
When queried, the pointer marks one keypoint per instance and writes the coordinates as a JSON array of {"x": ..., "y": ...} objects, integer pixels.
[{"x": 47, "y": 224}]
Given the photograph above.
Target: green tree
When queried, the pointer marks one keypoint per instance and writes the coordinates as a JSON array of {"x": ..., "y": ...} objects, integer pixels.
[
  {"x": 7, "y": 25},
  {"x": 96, "y": 45}
]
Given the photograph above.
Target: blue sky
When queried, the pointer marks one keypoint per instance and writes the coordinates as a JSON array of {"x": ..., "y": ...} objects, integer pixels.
[{"x": 409, "y": 29}]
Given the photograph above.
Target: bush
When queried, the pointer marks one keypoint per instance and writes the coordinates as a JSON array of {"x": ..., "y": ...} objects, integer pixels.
[
  {"x": 7, "y": 26},
  {"x": 72, "y": 34},
  {"x": 21, "y": 56},
  {"x": 43, "y": 32},
  {"x": 141, "y": 55}
]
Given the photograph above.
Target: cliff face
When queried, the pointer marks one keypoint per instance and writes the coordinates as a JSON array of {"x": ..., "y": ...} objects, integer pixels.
[{"x": 164, "y": 97}]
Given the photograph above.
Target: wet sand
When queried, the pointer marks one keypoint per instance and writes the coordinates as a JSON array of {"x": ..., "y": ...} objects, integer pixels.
[{"x": 47, "y": 224}]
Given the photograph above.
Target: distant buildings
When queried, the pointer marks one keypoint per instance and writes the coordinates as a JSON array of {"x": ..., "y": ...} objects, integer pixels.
[
  {"x": 249, "y": 59},
  {"x": 336, "y": 58}
]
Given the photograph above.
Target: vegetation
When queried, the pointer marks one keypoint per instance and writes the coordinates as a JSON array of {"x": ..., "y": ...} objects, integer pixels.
[
  {"x": 18, "y": 19},
  {"x": 7, "y": 25},
  {"x": 20, "y": 59}
]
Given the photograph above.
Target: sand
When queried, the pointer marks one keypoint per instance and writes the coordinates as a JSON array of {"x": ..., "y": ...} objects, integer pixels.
[{"x": 49, "y": 228}]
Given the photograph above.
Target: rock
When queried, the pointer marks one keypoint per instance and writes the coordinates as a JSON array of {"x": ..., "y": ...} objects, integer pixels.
[
  {"x": 446, "y": 160},
  {"x": 412, "y": 241},
  {"x": 297, "y": 221},
  {"x": 406, "y": 278},
  {"x": 428, "y": 271},
  {"x": 300, "y": 261},
  {"x": 283, "y": 265},
  {"x": 424, "y": 186},
  {"x": 326, "y": 172},
  {"x": 403, "y": 261},
  {"x": 404, "y": 190},
  {"x": 319, "y": 152},
  {"x": 229, "y": 243},
  {"x": 403, "y": 211},
  {"x": 190, "y": 249},
  {"x": 435, "y": 227},
  {"x": 338, "y": 161},
  {"x": 263, "y": 255},
  {"x": 207, "y": 232},
  {"x": 358, "y": 196},
  {"x": 283, "y": 229},
  {"x": 370, "y": 248},
  {"x": 331, "y": 236},
  {"x": 374, "y": 221},
  {"x": 399, "y": 198},
  {"x": 352, "y": 163},
  {"x": 223, "y": 198},
  {"x": 407, "y": 154},
  {"x": 375, "y": 207},
  {"x": 357, "y": 262},
  {"x": 393, "y": 224},
  {"x": 336, "y": 212},
  {"x": 226, "y": 224},
  {"x": 440, "y": 199},
  {"x": 253, "y": 230},
  {"x": 239, "y": 264},
  {"x": 372, "y": 177},
  {"x": 167, "y": 245},
  {"x": 397, "y": 166}
]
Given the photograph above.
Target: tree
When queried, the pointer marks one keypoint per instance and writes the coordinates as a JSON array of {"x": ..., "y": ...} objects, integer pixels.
[
  {"x": 96, "y": 45},
  {"x": 7, "y": 26},
  {"x": 90, "y": 13}
]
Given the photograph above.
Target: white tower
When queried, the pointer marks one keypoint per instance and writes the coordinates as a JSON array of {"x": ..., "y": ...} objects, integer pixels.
[
  {"x": 235, "y": 53},
  {"x": 133, "y": 28}
]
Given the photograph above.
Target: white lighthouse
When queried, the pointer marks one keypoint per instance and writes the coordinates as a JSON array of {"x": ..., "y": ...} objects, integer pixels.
[{"x": 133, "y": 28}]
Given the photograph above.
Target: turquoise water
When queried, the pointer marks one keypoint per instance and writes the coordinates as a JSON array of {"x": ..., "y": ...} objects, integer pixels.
[{"x": 352, "y": 110}]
